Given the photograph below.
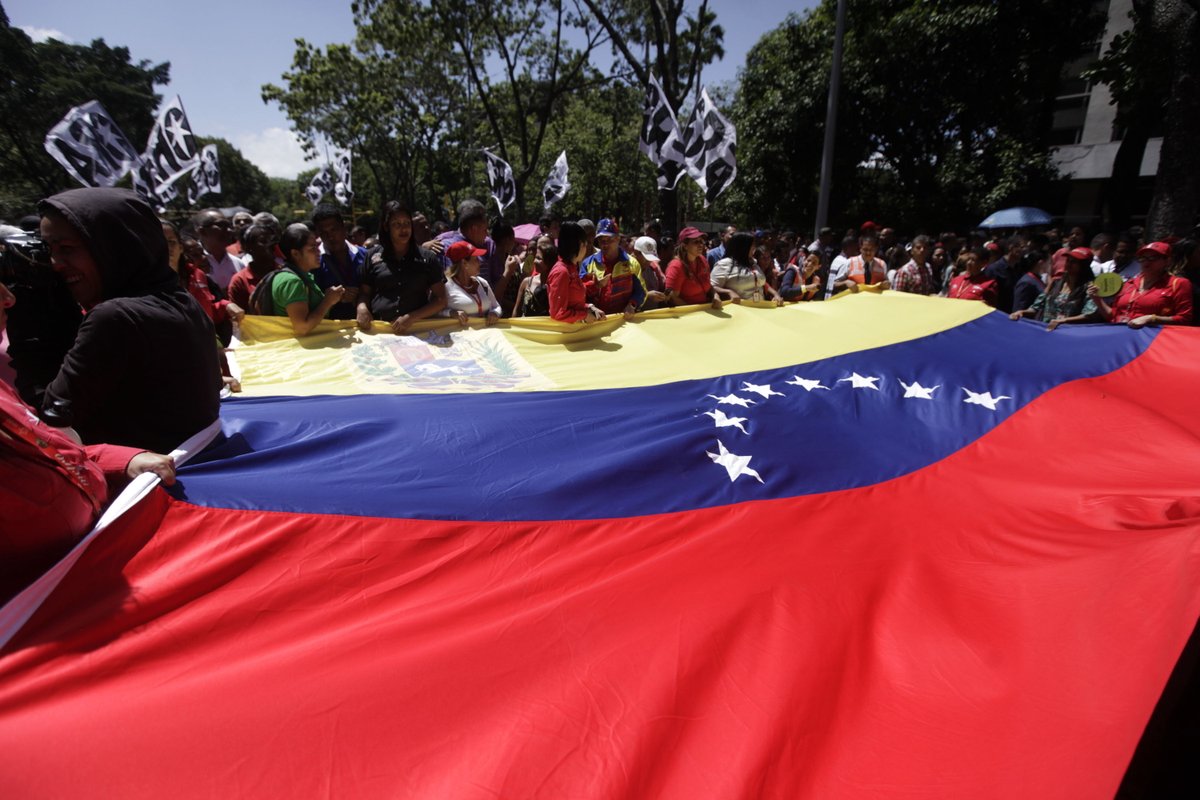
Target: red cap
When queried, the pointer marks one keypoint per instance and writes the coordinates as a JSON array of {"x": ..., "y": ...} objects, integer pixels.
[
  {"x": 995, "y": 248},
  {"x": 1081, "y": 253},
  {"x": 461, "y": 251},
  {"x": 690, "y": 233},
  {"x": 869, "y": 226},
  {"x": 1161, "y": 248}
]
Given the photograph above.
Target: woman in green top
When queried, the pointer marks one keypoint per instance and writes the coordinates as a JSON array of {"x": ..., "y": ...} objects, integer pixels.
[
  {"x": 294, "y": 292},
  {"x": 1066, "y": 300}
]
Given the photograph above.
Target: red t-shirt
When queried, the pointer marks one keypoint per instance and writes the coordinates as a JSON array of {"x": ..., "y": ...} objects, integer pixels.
[
  {"x": 963, "y": 288},
  {"x": 568, "y": 299},
  {"x": 692, "y": 286},
  {"x": 241, "y": 287},
  {"x": 1169, "y": 296}
]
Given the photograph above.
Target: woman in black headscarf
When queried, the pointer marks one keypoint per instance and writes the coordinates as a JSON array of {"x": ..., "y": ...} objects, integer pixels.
[{"x": 143, "y": 370}]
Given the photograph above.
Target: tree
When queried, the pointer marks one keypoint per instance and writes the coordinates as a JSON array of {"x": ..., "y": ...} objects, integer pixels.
[
  {"x": 40, "y": 82},
  {"x": 394, "y": 112},
  {"x": 1175, "y": 27},
  {"x": 242, "y": 183},
  {"x": 675, "y": 45},
  {"x": 946, "y": 107}
]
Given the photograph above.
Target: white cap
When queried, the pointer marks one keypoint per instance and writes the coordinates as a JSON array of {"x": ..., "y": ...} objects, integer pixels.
[{"x": 647, "y": 247}]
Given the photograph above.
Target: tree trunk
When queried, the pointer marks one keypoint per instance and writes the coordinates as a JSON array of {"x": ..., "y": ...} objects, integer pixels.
[
  {"x": 1176, "y": 24},
  {"x": 1117, "y": 200}
]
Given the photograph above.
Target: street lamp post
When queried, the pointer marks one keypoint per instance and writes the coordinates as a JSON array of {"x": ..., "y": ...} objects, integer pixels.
[{"x": 835, "y": 82}]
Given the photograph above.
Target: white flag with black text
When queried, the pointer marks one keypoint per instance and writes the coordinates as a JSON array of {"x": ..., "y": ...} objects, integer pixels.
[
  {"x": 710, "y": 149},
  {"x": 321, "y": 185},
  {"x": 343, "y": 187},
  {"x": 171, "y": 149},
  {"x": 660, "y": 138},
  {"x": 500, "y": 180},
  {"x": 206, "y": 178},
  {"x": 557, "y": 184},
  {"x": 90, "y": 146}
]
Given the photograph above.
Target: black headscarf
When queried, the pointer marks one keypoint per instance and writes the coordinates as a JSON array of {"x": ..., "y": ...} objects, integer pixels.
[{"x": 124, "y": 236}]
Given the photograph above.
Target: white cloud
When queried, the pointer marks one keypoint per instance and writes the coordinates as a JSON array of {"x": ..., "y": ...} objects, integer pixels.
[
  {"x": 276, "y": 151},
  {"x": 42, "y": 34}
]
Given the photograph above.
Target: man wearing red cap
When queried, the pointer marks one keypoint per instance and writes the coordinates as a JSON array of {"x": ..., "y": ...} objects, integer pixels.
[{"x": 1154, "y": 296}]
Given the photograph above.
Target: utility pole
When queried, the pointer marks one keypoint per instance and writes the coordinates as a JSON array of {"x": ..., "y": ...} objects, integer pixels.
[{"x": 835, "y": 83}]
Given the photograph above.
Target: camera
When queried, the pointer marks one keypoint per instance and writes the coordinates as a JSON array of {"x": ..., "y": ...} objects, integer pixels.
[{"x": 25, "y": 262}]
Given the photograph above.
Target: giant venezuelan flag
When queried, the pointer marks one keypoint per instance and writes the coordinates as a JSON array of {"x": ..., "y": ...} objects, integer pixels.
[{"x": 884, "y": 547}]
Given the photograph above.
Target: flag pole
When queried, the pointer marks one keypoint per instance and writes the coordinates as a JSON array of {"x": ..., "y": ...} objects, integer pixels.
[{"x": 835, "y": 82}]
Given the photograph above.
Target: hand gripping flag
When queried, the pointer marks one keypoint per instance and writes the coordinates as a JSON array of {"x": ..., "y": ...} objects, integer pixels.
[
  {"x": 857, "y": 549},
  {"x": 206, "y": 177},
  {"x": 90, "y": 146},
  {"x": 660, "y": 138},
  {"x": 500, "y": 180},
  {"x": 557, "y": 184}
]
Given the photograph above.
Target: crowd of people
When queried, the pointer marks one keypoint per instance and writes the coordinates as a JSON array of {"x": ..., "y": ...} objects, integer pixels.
[{"x": 118, "y": 319}]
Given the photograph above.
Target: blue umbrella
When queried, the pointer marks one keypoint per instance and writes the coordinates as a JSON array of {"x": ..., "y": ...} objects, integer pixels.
[{"x": 1019, "y": 217}]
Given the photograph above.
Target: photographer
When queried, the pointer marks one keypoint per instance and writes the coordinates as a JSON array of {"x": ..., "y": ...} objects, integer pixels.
[{"x": 43, "y": 323}]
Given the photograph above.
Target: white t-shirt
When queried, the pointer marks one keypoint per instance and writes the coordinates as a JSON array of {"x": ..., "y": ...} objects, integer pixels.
[
  {"x": 1099, "y": 267},
  {"x": 223, "y": 270},
  {"x": 839, "y": 268},
  {"x": 478, "y": 304}
]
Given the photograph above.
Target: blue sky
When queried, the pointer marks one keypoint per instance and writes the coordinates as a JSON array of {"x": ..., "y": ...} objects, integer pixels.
[{"x": 222, "y": 51}]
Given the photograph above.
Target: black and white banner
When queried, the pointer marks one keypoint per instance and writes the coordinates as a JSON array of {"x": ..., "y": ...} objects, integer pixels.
[
  {"x": 500, "y": 180},
  {"x": 171, "y": 148},
  {"x": 343, "y": 187},
  {"x": 711, "y": 148},
  {"x": 90, "y": 146},
  {"x": 660, "y": 138},
  {"x": 557, "y": 184},
  {"x": 321, "y": 185},
  {"x": 206, "y": 178}
]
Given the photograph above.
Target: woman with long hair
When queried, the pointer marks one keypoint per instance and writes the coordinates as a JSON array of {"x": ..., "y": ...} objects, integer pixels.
[
  {"x": 568, "y": 297},
  {"x": 688, "y": 277},
  {"x": 294, "y": 291},
  {"x": 1066, "y": 301},
  {"x": 402, "y": 282}
]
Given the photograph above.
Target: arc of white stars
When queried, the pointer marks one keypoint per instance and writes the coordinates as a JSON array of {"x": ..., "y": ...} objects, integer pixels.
[
  {"x": 808, "y": 384},
  {"x": 732, "y": 400},
  {"x": 734, "y": 464},
  {"x": 726, "y": 422},
  {"x": 915, "y": 389},
  {"x": 860, "y": 382},
  {"x": 984, "y": 399},
  {"x": 764, "y": 389}
]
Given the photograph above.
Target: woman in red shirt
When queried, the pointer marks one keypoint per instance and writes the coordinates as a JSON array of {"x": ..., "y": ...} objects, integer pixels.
[
  {"x": 568, "y": 298},
  {"x": 973, "y": 284},
  {"x": 688, "y": 275},
  {"x": 52, "y": 488},
  {"x": 1154, "y": 296}
]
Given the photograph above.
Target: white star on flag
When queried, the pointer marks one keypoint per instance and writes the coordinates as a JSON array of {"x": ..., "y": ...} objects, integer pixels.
[
  {"x": 765, "y": 389},
  {"x": 859, "y": 382},
  {"x": 915, "y": 389},
  {"x": 808, "y": 383},
  {"x": 732, "y": 400},
  {"x": 726, "y": 422},
  {"x": 735, "y": 465},
  {"x": 984, "y": 399},
  {"x": 177, "y": 132}
]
